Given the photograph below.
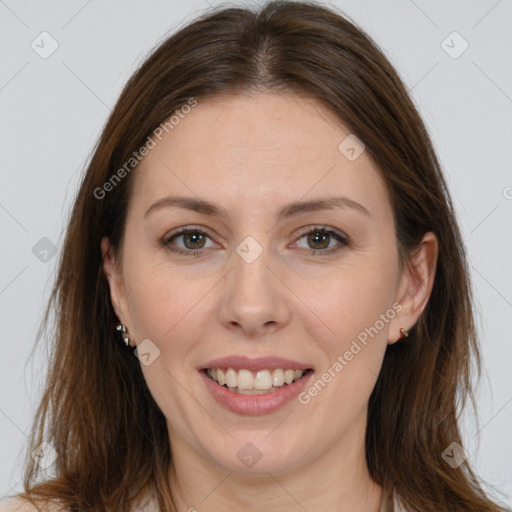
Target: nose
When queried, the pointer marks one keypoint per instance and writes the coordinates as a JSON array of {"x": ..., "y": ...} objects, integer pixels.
[{"x": 256, "y": 300}]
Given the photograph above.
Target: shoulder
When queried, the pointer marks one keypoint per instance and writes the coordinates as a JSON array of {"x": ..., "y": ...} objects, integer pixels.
[
  {"x": 16, "y": 505},
  {"x": 20, "y": 505}
]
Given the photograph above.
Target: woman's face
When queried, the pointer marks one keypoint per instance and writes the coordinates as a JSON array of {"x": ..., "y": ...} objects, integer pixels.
[{"x": 258, "y": 284}]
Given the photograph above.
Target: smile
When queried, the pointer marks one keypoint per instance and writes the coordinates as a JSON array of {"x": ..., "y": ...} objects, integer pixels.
[
  {"x": 254, "y": 386},
  {"x": 247, "y": 382}
]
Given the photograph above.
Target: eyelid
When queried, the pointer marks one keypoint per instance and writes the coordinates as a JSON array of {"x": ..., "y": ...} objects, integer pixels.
[
  {"x": 185, "y": 229},
  {"x": 308, "y": 229},
  {"x": 302, "y": 231},
  {"x": 343, "y": 240}
]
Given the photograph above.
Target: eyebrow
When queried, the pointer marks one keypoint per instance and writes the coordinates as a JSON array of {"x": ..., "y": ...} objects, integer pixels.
[{"x": 286, "y": 211}]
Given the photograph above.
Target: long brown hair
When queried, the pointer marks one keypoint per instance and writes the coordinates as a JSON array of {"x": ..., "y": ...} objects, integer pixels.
[{"x": 96, "y": 409}]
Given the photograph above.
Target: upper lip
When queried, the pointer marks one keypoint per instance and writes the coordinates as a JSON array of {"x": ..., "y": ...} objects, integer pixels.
[{"x": 238, "y": 362}]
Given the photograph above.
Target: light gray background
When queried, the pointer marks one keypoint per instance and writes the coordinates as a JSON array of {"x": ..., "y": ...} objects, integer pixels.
[{"x": 52, "y": 111}]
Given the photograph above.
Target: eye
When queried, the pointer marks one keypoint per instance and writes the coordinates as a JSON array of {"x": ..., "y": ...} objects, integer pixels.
[
  {"x": 321, "y": 237},
  {"x": 193, "y": 240}
]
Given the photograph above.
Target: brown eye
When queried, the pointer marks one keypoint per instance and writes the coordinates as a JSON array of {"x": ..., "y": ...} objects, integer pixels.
[
  {"x": 193, "y": 238},
  {"x": 192, "y": 241},
  {"x": 319, "y": 240}
]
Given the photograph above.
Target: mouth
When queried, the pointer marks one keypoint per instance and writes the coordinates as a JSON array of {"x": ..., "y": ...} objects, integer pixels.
[
  {"x": 255, "y": 387},
  {"x": 260, "y": 382}
]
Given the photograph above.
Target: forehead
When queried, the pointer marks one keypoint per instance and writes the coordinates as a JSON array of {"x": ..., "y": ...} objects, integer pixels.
[{"x": 253, "y": 147}]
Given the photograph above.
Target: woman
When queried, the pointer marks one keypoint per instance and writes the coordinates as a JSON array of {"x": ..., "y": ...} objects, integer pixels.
[{"x": 263, "y": 300}]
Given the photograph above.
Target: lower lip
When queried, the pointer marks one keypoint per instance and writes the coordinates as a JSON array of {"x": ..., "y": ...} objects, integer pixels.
[{"x": 255, "y": 405}]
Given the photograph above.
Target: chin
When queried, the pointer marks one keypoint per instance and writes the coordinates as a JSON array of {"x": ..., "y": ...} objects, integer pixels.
[{"x": 257, "y": 454}]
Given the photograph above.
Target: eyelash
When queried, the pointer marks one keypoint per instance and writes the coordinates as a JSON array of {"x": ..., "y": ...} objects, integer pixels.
[{"x": 343, "y": 240}]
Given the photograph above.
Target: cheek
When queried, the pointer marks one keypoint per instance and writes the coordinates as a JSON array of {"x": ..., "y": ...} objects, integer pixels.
[
  {"x": 358, "y": 312},
  {"x": 162, "y": 303},
  {"x": 169, "y": 310},
  {"x": 339, "y": 392},
  {"x": 357, "y": 297}
]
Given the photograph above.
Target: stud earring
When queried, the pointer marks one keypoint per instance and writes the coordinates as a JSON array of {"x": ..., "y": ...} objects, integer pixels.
[
  {"x": 124, "y": 334},
  {"x": 404, "y": 333}
]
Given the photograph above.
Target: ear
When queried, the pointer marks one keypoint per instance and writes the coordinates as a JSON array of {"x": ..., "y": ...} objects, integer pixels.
[
  {"x": 415, "y": 286},
  {"x": 113, "y": 273}
]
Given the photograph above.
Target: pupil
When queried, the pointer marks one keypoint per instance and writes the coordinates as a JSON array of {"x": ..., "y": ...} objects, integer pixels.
[
  {"x": 316, "y": 238},
  {"x": 193, "y": 235},
  {"x": 322, "y": 235}
]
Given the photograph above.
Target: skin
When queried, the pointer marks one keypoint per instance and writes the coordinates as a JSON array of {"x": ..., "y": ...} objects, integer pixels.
[{"x": 251, "y": 154}]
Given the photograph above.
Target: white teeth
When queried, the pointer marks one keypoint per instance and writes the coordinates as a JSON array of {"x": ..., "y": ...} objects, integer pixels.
[
  {"x": 278, "y": 377},
  {"x": 288, "y": 376},
  {"x": 231, "y": 378},
  {"x": 247, "y": 382},
  {"x": 263, "y": 380},
  {"x": 252, "y": 391},
  {"x": 245, "y": 379}
]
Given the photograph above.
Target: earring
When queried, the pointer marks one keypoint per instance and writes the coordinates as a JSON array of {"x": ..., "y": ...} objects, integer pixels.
[
  {"x": 404, "y": 333},
  {"x": 124, "y": 334}
]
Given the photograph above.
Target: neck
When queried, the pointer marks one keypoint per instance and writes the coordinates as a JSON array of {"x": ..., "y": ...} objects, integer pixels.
[{"x": 336, "y": 481}]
